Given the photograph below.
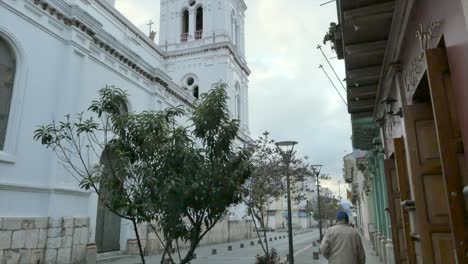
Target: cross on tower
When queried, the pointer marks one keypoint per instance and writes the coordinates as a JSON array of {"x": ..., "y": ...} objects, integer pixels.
[
  {"x": 266, "y": 133},
  {"x": 151, "y": 23}
]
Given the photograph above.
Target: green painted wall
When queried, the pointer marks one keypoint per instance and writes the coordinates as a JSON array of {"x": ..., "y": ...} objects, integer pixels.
[{"x": 379, "y": 193}]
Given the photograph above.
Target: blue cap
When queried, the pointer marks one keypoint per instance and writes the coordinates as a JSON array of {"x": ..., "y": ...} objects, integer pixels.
[{"x": 342, "y": 216}]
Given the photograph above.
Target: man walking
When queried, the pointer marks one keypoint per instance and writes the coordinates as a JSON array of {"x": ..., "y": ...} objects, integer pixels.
[{"x": 342, "y": 244}]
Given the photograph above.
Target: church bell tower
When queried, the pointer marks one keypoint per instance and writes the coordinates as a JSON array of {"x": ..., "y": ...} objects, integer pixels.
[{"x": 204, "y": 43}]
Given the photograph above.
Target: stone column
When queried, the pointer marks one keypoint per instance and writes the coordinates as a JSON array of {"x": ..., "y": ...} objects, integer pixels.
[
  {"x": 242, "y": 37},
  {"x": 377, "y": 243},
  {"x": 192, "y": 17},
  {"x": 390, "y": 252},
  {"x": 383, "y": 249}
]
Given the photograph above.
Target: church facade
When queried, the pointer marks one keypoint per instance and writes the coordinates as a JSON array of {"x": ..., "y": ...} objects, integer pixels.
[{"x": 54, "y": 57}]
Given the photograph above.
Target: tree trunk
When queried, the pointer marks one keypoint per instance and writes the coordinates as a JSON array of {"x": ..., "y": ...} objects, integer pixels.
[{"x": 142, "y": 255}]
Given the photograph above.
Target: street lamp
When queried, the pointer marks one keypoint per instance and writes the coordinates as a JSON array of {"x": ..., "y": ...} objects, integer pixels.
[
  {"x": 286, "y": 149},
  {"x": 316, "y": 170}
]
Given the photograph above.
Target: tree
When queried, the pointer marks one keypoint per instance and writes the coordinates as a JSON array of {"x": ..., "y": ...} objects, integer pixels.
[
  {"x": 203, "y": 181},
  {"x": 264, "y": 187},
  {"x": 267, "y": 184},
  {"x": 329, "y": 206},
  {"x": 179, "y": 178}
]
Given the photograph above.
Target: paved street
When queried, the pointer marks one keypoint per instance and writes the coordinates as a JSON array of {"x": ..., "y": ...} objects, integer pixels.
[{"x": 303, "y": 249}]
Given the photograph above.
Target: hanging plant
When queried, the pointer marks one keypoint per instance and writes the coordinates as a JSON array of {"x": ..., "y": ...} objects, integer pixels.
[{"x": 330, "y": 35}]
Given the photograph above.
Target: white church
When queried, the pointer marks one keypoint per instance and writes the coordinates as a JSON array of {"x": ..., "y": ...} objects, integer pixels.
[{"x": 54, "y": 57}]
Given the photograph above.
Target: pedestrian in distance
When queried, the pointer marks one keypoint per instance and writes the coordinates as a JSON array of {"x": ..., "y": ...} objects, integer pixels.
[{"x": 342, "y": 244}]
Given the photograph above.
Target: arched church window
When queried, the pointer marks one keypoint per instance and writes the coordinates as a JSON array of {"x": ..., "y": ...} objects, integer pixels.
[
  {"x": 185, "y": 26},
  {"x": 238, "y": 102},
  {"x": 7, "y": 76},
  {"x": 123, "y": 109},
  {"x": 237, "y": 34},
  {"x": 233, "y": 28},
  {"x": 199, "y": 23},
  {"x": 196, "y": 92},
  {"x": 190, "y": 81}
]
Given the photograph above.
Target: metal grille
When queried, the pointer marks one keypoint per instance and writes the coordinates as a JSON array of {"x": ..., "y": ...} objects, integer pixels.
[{"x": 7, "y": 74}]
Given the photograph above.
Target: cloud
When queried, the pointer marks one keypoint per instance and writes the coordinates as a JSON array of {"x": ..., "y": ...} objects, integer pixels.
[{"x": 288, "y": 94}]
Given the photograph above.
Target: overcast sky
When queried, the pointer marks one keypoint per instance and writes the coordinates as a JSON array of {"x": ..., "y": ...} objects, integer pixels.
[{"x": 289, "y": 95}]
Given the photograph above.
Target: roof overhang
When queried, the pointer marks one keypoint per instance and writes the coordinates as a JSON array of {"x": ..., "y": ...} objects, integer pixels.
[{"x": 365, "y": 29}]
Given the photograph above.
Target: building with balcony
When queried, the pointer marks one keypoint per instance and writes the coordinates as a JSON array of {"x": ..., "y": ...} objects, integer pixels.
[{"x": 405, "y": 76}]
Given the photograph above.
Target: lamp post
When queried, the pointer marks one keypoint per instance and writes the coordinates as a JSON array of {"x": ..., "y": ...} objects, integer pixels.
[
  {"x": 316, "y": 170},
  {"x": 286, "y": 149}
]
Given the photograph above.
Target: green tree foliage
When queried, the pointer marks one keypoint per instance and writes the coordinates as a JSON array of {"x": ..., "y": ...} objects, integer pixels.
[
  {"x": 272, "y": 258},
  {"x": 181, "y": 179},
  {"x": 329, "y": 206}
]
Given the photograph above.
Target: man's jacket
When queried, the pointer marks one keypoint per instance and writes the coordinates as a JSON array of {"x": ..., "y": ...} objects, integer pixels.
[{"x": 342, "y": 245}]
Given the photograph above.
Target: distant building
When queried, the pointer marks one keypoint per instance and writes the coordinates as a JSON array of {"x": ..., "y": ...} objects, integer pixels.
[
  {"x": 361, "y": 194},
  {"x": 301, "y": 216}
]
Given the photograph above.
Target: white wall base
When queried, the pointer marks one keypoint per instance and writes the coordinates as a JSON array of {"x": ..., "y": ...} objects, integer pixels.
[{"x": 390, "y": 252}]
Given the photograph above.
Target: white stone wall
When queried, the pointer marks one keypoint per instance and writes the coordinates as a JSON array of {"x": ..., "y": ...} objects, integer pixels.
[
  {"x": 44, "y": 239},
  {"x": 364, "y": 203},
  {"x": 224, "y": 231}
]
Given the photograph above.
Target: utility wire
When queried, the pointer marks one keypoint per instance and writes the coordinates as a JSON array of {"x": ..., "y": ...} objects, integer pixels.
[
  {"x": 336, "y": 89},
  {"x": 326, "y": 3},
  {"x": 333, "y": 69}
]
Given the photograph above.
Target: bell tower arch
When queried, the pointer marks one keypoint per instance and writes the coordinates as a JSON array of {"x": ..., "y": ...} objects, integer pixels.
[{"x": 205, "y": 39}]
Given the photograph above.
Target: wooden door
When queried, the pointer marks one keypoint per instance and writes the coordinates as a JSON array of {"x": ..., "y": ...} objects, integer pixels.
[
  {"x": 107, "y": 223},
  {"x": 405, "y": 195},
  {"x": 432, "y": 233},
  {"x": 107, "y": 229},
  {"x": 394, "y": 200},
  {"x": 450, "y": 145}
]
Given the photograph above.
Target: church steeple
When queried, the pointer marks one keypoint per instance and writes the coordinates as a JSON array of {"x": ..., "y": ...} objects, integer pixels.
[
  {"x": 204, "y": 41},
  {"x": 191, "y": 23}
]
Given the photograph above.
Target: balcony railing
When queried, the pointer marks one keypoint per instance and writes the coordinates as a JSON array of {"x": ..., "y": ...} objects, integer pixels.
[
  {"x": 198, "y": 34},
  {"x": 184, "y": 37}
]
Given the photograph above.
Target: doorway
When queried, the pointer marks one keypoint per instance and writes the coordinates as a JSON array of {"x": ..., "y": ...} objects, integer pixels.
[{"x": 107, "y": 223}]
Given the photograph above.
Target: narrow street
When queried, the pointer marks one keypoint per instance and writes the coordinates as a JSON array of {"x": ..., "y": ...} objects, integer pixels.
[{"x": 303, "y": 248}]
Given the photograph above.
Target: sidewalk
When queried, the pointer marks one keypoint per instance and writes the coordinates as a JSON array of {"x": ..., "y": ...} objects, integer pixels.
[
  {"x": 303, "y": 248},
  {"x": 229, "y": 253}
]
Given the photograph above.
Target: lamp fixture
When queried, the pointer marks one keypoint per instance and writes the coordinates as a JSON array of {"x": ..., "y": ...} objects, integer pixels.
[
  {"x": 378, "y": 145},
  {"x": 389, "y": 104},
  {"x": 380, "y": 121}
]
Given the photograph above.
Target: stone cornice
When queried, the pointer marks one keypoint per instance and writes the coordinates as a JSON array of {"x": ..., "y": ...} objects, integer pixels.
[
  {"x": 209, "y": 48},
  {"x": 129, "y": 25},
  {"x": 110, "y": 45},
  {"x": 242, "y": 3},
  {"x": 42, "y": 189}
]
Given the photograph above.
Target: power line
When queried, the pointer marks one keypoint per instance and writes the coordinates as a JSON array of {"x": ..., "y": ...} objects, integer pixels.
[
  {"x": 326, "y": 3},
  {"x": 333, "y": 69},
  {"x": 336, "y": 89}
]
